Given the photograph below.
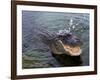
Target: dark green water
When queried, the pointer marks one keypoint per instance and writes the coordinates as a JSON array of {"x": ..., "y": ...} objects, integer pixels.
[{"x": 38, "y": 55}]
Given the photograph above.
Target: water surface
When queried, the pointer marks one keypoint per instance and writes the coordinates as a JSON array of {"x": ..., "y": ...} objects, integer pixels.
[{"x": 36, "y": 54}]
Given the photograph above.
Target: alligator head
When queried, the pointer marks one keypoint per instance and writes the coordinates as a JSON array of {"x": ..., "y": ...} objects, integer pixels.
[{"x": 67, "y": 44}]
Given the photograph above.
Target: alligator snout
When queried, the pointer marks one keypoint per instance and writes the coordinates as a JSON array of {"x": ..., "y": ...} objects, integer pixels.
[{"x": 67, "y": 44}]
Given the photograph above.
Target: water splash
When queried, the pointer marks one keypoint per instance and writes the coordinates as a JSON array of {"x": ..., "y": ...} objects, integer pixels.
[
  {"x": 71, "y": 22},
  {"x": 71, "y": 27},
  {"x": 62, "y": 32}
]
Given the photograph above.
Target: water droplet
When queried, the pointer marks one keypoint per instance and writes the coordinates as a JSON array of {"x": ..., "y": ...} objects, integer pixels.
[
  {"x": 73, "y": 26},
  {"x": 71, "y": 22}
]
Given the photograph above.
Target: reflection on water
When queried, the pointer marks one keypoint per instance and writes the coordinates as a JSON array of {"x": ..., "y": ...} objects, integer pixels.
[
  {"x": 36, "y": 54},
  {"x": 67, "y": 60}
]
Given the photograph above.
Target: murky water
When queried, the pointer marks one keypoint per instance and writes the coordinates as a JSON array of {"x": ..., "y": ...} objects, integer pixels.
[{"x": 36, "y": 54}]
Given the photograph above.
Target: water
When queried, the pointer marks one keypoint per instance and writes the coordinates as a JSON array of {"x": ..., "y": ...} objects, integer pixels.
[{"x": 35, "y": 24}]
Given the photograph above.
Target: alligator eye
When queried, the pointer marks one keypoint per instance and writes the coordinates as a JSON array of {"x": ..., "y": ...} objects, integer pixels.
[{"x": 68, "y": 35}]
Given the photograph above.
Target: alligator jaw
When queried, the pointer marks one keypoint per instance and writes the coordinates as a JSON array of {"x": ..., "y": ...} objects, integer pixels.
[
  {"x": 61, "y": 48},
  {"x": 72, "y": 51}
]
